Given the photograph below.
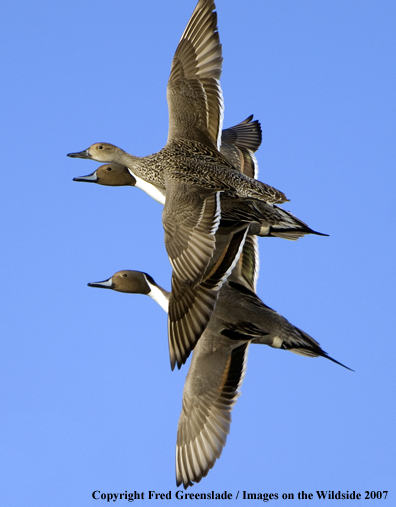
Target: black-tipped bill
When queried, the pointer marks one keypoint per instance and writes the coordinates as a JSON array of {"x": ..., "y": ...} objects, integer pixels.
[
  {"x": 107, "y": 284},
  {"x": 80, "y": 154},
  {"x": 90, "y": 178}
]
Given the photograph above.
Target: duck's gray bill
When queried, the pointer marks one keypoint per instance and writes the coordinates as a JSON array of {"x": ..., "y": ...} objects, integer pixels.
[
  {"x": 90, "y": 178},
  {"x": 80, "y": 154},
  {"x": 107, "y": 284}
]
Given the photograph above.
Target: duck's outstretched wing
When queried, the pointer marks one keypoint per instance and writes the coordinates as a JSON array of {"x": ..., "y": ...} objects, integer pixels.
[
  {"x": 195, "y": 99},
  {"x": 190, "y": 242},
  {"x": 212, "y": 387},
  {"x": 191, "y": 217},
  {"x": 239, "y": 143}
]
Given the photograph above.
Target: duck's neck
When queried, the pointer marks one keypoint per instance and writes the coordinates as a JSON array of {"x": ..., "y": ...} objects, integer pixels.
[
  {"x": 147, "y": 174},
  {"x": 126, "y": 159}
]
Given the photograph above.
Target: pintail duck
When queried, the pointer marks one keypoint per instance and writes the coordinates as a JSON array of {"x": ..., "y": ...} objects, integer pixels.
[
  {"x": 219, "y": 359},
  {"x": 238, "y": 145},
  {"x": 195, "y": 103},
  {"x": 211, "y": 388}
]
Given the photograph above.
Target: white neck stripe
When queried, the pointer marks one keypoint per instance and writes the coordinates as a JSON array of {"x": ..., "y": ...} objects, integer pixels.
[
  {"x": 151, "y": 190},
  {"x": 158, "y": 296}
]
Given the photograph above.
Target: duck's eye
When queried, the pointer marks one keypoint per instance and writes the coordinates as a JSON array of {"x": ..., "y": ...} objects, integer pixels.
[
  {"x": 100, "y": 147},
  {"x": 109, "y": 168},
  {"x": 124, "y": 275}
]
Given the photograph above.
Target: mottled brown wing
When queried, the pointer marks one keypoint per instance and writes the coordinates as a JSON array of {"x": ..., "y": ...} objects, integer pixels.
[{"x": 194, "y": 93}]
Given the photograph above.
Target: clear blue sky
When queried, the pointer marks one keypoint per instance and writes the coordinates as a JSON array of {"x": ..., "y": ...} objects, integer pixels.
[{"x": 88, "y": 401}]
